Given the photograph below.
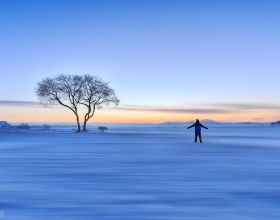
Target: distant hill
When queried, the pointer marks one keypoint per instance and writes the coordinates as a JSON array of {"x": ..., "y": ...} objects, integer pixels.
[
  {"x": 249, "y": 123},
  {"x": 208, "y": 121},
  {"x": 188, "y": 123},
  {"x": 214, "y": 123},
  {"x": 172, "y": 124},
  {"x": 277, "y": 123}
]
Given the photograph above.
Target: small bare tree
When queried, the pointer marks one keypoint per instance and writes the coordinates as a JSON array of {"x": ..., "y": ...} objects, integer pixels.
[
  {"x": 96, "y": 94},
  {"x": 71, "y": 91},
  {"x": 102, "y": 129}
]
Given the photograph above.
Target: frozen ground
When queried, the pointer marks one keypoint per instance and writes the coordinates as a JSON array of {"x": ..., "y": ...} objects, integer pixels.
[{"x": 138, "y": 173}]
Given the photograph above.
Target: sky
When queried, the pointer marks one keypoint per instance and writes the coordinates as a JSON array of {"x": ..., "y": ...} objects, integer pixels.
[{"x": 168, "y": 60}]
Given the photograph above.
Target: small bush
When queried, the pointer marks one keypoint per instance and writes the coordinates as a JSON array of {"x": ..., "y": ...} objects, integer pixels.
[
  {"x": 23, "y": 126},
  {"x": 46, "y": 126},
  {"x": 4, "y": 125},
  {"x": 102, "y": 129}
]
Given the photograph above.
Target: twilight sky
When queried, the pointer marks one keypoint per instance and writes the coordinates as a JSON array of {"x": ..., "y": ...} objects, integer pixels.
[{"x": 168, "y": 60}]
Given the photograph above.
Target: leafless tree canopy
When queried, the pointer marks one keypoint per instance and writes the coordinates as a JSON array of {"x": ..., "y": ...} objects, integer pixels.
[{"x": 75, "y": 91}]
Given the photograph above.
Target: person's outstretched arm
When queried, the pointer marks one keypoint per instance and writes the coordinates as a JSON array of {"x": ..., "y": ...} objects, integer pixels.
[
  {"x": 203, "y": 126},
  {"x": 191, "y": 126}
]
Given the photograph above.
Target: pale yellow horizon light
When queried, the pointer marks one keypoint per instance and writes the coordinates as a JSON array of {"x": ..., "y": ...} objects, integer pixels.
[{"x": 59, "y": 115}]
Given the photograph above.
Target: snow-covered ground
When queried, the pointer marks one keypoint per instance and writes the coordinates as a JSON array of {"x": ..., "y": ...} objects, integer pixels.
[{"x": 141, "y": 173}]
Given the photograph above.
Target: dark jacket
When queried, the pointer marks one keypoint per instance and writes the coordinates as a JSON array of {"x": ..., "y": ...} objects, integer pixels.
[{"x": 197, "y": 127}]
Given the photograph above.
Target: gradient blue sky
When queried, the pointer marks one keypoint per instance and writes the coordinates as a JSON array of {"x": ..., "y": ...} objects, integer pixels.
[{"x": 157, "y": 54}]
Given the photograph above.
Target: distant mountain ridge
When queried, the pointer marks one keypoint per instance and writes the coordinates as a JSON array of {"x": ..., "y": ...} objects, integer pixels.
[
  {"x": 212, "y": 122},
  {"x": 188, "y": 123}
]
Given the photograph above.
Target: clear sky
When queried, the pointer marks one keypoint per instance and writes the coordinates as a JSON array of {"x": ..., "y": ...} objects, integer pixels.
[{"x": 168, "y": 60}]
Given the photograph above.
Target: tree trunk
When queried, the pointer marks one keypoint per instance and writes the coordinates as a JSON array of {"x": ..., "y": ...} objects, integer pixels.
[
  {"x": 78, "y": 123},
  {"x": 88, "y": 116},
  {"x": 85, "y": 126}
]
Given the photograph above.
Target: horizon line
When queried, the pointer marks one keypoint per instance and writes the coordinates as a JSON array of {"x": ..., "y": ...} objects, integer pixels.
[{"x": 129, "y": 123}]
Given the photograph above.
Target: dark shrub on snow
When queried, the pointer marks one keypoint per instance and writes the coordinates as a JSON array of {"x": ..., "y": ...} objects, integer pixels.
[
  {"x": 23, "y": 126},
  {"x": 4, "y": 125},
  {"x": 277, "y": 123},
  {"x": 102, "y": 129}
]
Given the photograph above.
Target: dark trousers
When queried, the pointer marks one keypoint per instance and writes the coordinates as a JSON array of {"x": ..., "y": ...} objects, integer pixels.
[{"x": 198, "y": 135}]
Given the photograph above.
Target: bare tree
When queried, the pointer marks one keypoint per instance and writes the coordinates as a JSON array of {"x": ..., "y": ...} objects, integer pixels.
[
  {"x": 96, "y": 94},
  {"x": 65, "y": 90},
  {"x": 71, "y": 91}
]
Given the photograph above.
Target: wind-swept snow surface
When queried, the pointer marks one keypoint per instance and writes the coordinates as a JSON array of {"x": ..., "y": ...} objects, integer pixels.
[{"x": 141, "y": 174}]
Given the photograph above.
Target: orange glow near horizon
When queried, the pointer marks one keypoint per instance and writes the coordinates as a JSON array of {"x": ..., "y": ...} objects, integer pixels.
[{"x": 57, "y": 115}]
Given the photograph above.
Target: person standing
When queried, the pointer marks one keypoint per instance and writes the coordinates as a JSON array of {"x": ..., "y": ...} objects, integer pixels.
[{"x": 197, "y": 128}]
